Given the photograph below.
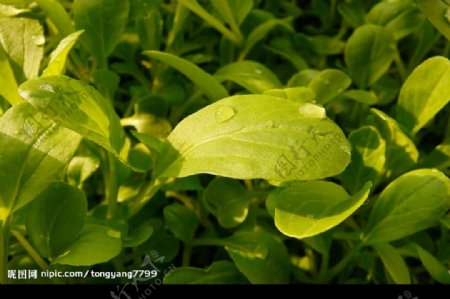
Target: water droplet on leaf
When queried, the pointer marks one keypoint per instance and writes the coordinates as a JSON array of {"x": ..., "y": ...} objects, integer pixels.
[
  {"x": 258, "y": 71},
  {"x": 269, "y": 124},
  {"x": 312, "y": 111},
  {"x": 46, "y": 87},
  {"x": 224, "y": 113},
  {"x": 38, "y": 40}
]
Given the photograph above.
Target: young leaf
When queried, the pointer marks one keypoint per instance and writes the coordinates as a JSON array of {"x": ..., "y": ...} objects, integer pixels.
[
  {"x": 361, "y": 96},
  {"x": 80, "y": 169},
  {"x": 55, "y": 218},
  {"x": 56, "y": 12},
  {"x": 220, "y": 272},
  {"x": 411, "y": 203},
  {"x": 368, "y": 54},
  {"x": 226, "y": 199},
  {"x": 251, "y": 75},
  {"x": 8, "y": 81},
  {"x": 273, "y": 267},
  {"x": 25, "y": 52},
  {"x": 424, "y": 93},
  {"x": 138, "y": 235},
  {"x": 213, "y": 89},
  {"x": 256, "y": 136},
  {"x": 78, "y": 107},
  {"x": 96, "y": 244},
  {"x": 181, "y": 220},
  {"x": 368, "y": 158},
  {"x": 401, "y": 153},
  {"x": 305, "y": 209},
  {"x": 34, "y": 150},
  {"x": 436, "y": 269},
  {"x": 59, "y": 56},
  {"x": 104, "y": 21},
  {"x": 328, "y": 84},
  {"x": 394, "y": 263}
]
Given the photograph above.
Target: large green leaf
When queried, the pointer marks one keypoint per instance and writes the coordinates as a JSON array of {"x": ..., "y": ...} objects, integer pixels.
[
  {"x": 256, "y": 136},
  {"x": 25, "y": 52},
  {"x": 369, "y": 52},
  {"x": 104, "y": 21},
  {"x": 272, "y": 267},
  {"x": 78, "y": 107},
  {"x": 435, "y": 267},
  {"x": 424, "y": 93},
  {"x": 394, "y": 263},
  {"x": 34, "y": 151},
  {"x": 401, "y": 153},
  {"x": 411, "y": 203},
  {"x": 96, "y": 244},
  {"x": 368, "y": 158},
  {"x": 251, "y": 75},
  {"x": 59, "y": 56},
  {"x": 220, "y": 272},
  {"x": 226, "y": 199},
  {"x": 305, "y": 209},
  {"x": 56, "y": 218},
  {"x": 212, "y": 87}
]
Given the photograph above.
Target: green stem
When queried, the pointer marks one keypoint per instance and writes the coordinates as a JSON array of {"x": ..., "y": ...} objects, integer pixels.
[
  {"x": 324, "y": 265},
  {"x": 342, "y": 263},
  {"x": 30, "y": 250},
  {"x": 111, "y": 186},
  {"x": 145, "y": 194},
  {"x": 400, "y": 65},
  {"x": 187, "y": 255},
  {"x": 4, "y": 248}
]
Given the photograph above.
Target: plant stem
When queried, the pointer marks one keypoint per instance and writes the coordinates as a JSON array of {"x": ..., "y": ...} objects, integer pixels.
[
  {"x": 187, "y": 255},
  {"x": 145, "y": 194},
  {"x": 4, "y": 248},
  {"x": 342, "y": 264},
  {"x": 30, "y": 250},
  {"x": 400, "y": 64},
  {"x": 111, "y": 186}
]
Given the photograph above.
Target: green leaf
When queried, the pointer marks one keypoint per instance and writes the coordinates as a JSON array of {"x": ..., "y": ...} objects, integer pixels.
[
  {"x": 25, "y": 52},
  {"x": 227, "y": 200},
  {"x": 305, "y": 209},
  {"x": 369, "y": 52},
  {"x": 96, "y": 244},
  {"x": 8, "y": 81},
  {"x": 400, "y": 17},
  {"x": 436, "y": 269},
  {"x": 411, "y": 203},
  {"x": 256, "y": 136},
  {"x": 251, "y": 75},
  {"x": 328, "y": 84},
  {"x": 224, "y": 9},
  {"x": 424, "y": 93},
  {"x": 181, "y": 221},
  {"x": 296, "y": 94},
  {"x": 220, "y": 272},
  {"x": 437, "y": 13},
  {"x": 59, "y": 56},
  {"x": 213, "y": 89},
  {"x": 55, "y": 218},
  {"x": 368, "y": 159},
  {"x": 104, "y": 21},
  {"x": 33, "y": 152},
  {"x": 303, "y": 78},
  {"x": 259, "y": 33},
  {"x": 394, "y": 263},
  {"x": 271, "y": 268},
  {"x": 352, "y": 13},
  {"x": 80, "y": 169},
  {"x": 361, "y": 96},
  {"x": 56, "y": 12},
  {"x": 148, "y": 24},
  {"x": 138, "y": 235},
  {"x": 401, "y": 153},
  {"x": 78, "y": 107}
]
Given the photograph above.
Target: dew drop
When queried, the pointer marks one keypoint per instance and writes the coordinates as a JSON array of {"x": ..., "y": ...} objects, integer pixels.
[
  {"x": 224, "y": 113},
  {"x": 38, "y": 40},
  {"x": 309, "y": 216},
  {"x": 312, "y": 111},
  {"x": 269, "y": 124},
  {"x": 447, "y": 14},
  {"x": 258, "y": 71}
]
